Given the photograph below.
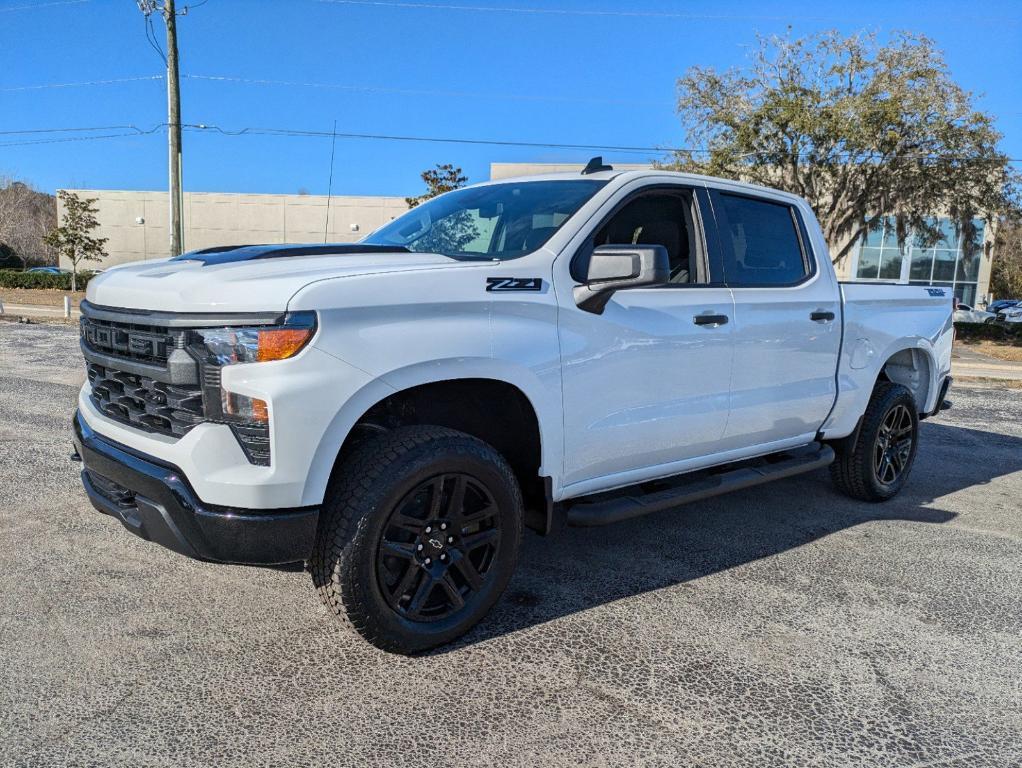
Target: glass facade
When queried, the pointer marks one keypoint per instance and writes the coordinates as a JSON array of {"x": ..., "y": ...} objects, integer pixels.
[{"x": 944, "y": 263}]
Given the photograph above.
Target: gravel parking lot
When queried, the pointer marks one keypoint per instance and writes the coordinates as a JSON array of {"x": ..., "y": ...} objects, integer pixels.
[{"x": 782, "y": 625}]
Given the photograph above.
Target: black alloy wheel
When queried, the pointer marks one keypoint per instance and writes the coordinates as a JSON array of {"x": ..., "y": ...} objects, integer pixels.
[
  {"x": 874, "y": 463},
  {"x": 418, "y": 536},
  {"x": 893, "y": 445},
  {"x": 438, "y": 547}
]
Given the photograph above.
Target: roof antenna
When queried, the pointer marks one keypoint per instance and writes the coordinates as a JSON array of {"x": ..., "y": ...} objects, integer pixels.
[
  {"x": 595, "y": 166},
  {"x": 330, "y": 184}
]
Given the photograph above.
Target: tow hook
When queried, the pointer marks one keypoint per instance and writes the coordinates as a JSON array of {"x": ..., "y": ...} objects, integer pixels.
[{"x": 75, "y": 456}]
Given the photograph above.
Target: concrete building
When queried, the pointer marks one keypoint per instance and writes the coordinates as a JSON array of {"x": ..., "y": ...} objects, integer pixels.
[{"x": 135, "y": 224}]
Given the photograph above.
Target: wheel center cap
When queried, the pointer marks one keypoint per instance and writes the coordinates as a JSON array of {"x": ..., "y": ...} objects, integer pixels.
[{"x": 436, "y": 543}]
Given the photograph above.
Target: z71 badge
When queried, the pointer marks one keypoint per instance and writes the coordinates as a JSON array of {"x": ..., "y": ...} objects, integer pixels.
[{"x": 514, "y": 284}]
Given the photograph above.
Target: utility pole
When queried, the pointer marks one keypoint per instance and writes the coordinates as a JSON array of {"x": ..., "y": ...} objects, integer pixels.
[
  {"x": 175, "y": 193},
  {"x": 177, "y": 234}
]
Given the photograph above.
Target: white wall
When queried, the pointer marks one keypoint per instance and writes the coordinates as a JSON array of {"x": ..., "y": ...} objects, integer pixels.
[{"x": 213, "y": 219}]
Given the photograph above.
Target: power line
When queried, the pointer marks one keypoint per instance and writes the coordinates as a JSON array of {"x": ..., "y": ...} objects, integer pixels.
[
  {"x": 566, "y": 11},
  {"x": 41, "y": 5},
  {"x": 292, "y": 132},
  {"x": 150, "y": 36},
  {"x": 417, "y": 92},
  {"x": 614, "y": 13},
  {"x": 70, "y": 130},
  {"x": 496, "y": 95},
  {"x": 111, "y": 81},
  {"x": 66, "y": 139},
  {"x": 299, "y": 133}
]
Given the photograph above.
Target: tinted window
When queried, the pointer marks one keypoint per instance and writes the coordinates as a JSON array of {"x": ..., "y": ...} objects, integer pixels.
[
  {"x": 496, "y": 221},
  {"x": 765, "y": 247},
  {"x": 654, "y": 219}
]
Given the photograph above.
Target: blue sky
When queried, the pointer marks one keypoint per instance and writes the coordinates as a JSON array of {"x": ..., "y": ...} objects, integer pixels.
[{"x": 555, "y": 76}]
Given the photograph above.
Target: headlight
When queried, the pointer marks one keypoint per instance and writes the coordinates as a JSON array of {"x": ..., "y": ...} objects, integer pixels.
[
  {"x": 260, "y": 344},
  {"x": 248, "y": 417}
]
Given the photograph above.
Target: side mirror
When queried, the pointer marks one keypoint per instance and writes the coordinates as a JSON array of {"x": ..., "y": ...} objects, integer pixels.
[{"x": 616, "y": 267}]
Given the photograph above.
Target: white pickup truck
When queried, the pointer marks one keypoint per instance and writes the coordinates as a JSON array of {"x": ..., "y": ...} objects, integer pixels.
[{"x": 578, "y": 348}]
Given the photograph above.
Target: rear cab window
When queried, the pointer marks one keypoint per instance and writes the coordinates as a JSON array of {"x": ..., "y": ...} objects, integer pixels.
[{"x": 764, "y": 242}]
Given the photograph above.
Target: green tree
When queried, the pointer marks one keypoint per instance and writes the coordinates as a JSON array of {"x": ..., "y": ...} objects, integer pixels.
[
  {"x": 73, "y": 240},
  {"x": 1006, "y": 271},
  {"x": 442, "y": 179},
  {"x": 860, "y": 129}
]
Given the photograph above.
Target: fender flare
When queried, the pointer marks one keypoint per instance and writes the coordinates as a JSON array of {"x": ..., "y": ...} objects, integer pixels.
[
  {"x": 543, "y": 399},
  {"x": 925, "y": 348}
]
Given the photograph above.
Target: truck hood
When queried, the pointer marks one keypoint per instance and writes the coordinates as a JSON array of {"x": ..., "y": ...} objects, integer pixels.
[{"x": 264, "y": 282}]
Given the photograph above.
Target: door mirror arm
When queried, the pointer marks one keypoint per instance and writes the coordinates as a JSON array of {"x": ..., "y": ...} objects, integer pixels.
[{"x": 617, "y": 267}]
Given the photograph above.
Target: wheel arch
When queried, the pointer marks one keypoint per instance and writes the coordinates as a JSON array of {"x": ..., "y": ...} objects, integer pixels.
[
  {"x": 521, "y": 418},
  {"x": 914, "y": 367}
]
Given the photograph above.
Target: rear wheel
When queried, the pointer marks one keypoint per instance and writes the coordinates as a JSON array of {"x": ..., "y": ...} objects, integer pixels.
[
  {"x": 419, "y": 537},
  {"x": 877, "y": 466}
]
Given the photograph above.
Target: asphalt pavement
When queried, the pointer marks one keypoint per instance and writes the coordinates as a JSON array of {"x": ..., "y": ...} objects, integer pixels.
[{"x": 785, "y": 625}]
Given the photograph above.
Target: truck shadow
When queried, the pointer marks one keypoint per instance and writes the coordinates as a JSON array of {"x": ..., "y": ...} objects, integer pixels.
[{"x": 582, "y": 568}]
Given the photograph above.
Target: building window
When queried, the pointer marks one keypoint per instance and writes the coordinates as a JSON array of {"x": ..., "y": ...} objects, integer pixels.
[
  {"x": 880, "y": 258},
  {"x": 948, "y": 263}
]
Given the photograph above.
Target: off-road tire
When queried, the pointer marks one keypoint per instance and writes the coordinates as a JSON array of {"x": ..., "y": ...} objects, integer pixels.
[
  {"x": 360, "y": 500},
  {"x": 853, "y": 470}
]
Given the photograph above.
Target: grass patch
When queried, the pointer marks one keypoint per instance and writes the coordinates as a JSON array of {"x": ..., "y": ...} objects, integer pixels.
[
  {"x": 47, "y": 297},
  {"x": 1010, "y": 349}
]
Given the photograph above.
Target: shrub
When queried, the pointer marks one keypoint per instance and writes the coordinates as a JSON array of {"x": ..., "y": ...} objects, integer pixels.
[
  {"x": 11, "y": 278},
  {"x": 1010, "y": 333}
]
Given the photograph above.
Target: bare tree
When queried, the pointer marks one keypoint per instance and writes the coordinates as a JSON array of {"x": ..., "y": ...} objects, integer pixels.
[{"x": 25, "y": 217}]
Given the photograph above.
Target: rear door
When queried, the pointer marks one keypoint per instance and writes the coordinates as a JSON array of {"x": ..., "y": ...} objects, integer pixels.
[{"x": 787, "y": 327}]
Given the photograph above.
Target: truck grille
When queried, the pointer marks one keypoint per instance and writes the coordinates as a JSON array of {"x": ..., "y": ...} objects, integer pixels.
[
  {"x": 145, "y": 403},
  {"x": 154, "y": 375},
  {"x": 142, "y": 343}
]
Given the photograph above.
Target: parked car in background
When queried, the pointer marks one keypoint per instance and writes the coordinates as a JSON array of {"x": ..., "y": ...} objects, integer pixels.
[
  {"x": 49, "y": 270},
  {"x": 1011, "y": 315},
  {"x": 1001, "y": 304},
  {"x": 966, "y": 314}
]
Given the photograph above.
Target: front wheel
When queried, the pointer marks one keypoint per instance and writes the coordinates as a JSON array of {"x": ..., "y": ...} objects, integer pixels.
[
  {"x": 876, "y": 467},
  {"x": 419, "y": 537}
]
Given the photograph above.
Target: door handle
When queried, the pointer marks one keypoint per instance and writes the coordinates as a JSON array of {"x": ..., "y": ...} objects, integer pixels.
[
  {"x": 821, "y": 317},
  {"x": 709, "y": 319}
]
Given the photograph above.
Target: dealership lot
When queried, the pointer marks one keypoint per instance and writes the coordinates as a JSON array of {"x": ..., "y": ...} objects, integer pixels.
[{"x": 782, "y": 625}]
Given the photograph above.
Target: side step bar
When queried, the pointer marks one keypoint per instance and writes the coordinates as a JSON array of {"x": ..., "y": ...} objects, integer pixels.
[{"x": 702, "y": 487}]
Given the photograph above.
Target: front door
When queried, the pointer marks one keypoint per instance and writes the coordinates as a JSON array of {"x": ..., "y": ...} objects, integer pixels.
[{"x": 646, "y": 383}]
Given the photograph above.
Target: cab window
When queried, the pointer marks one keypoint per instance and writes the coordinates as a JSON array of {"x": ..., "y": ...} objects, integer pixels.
[
  {"x": 662, "y": 217},
  {"x": 762, "y": 242}
]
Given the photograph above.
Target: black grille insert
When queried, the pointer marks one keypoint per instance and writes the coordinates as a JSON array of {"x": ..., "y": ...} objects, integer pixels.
[
  {"x": 142, "y": 343},
  {"x": 145, "y": 403}
]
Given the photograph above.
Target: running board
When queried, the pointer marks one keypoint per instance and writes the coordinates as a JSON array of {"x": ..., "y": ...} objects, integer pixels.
[{"x": 702, "y": 487}]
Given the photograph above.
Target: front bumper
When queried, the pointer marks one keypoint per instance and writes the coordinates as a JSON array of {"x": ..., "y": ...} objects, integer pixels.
[{"x": 154, "y": 500}]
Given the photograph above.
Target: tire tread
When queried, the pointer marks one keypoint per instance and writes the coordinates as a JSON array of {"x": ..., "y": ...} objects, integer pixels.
[
  {"x": 852, "y": 471},
  {"x": 350, "y": 502}
]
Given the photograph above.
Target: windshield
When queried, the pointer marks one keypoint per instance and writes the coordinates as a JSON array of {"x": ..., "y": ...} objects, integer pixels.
[{"x": 496, "y": 221}]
